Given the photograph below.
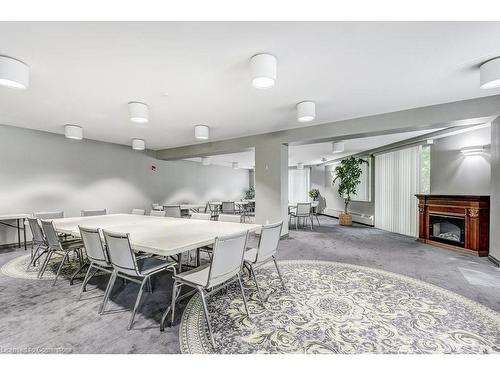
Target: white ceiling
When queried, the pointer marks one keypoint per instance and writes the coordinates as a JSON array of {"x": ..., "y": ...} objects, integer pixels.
[
  {"x": 85, "y": 73},
  {"x": 313, "y": 153}
]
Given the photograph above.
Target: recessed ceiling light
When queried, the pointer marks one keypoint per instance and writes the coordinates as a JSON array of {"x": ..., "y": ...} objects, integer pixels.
[
  {"x": 201, "y": 132},
  {"x": 14, "y": 73},
  {"x": 338, "y": 147},
  {"x": 138, "y": 112},
  {"x": 490, "y": 74},
  {"x": 263, "y": 70},
  {"x": 205, "y": 160},
  {"x": 300, "y": 165},
  {"x": 235, "y": 165},
  {"x": 73, "y": 132},
  {"x": 306, "y": 111},
  {"x": 138, "y": 144}
]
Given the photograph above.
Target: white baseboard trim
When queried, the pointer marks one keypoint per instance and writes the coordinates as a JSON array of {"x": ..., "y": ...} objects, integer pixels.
[{"x": 356, "y": 217}]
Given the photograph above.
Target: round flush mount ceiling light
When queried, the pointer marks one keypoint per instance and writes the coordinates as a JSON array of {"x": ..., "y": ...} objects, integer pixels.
[
  {"x": 300, "y": 165},
  {"x": 338, "y": 147},
  {"x": 490, "y": 74},
  {"x": 205, "y": 160},
  {"x": 306, "y": 111},
  {"x": 138, "y": 144},
  {"x": 201, "y": 132},
  {"x": 263, "y": 70},
  {"x": 235, "y": 165},
  {"x": 14, "y": 73},
  {"x": 138, "y": 112},
  {"x": 73, "y": 132}
]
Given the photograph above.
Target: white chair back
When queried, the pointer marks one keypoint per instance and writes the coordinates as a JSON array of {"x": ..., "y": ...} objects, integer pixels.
[
  {"x": 36, "y": 231},
  {"x": 94, "y": 212},
  {"x": 230, "y": 218},
  {"x": 303, "y": 209},
  {"x": 228, "y": 207},
  {"x": 269, "y": 239},
  {"x": 157, "y": 213},
  {"x": 120, "y": 253},
  {"x": 173, "y": 211},
  {"x": 199, "y": 216},
  {"x": 51, "y": 235},
  {"x": 156, "y": 206},
  {"x": 227, "y": 258},
  {"x": 94, "y": 247},
  {"x": 138, "y": 211},
  {"x": 49, "y": 215}
]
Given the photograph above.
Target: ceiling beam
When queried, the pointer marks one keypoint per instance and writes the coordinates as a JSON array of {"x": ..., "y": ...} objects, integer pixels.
[{"x": 461, "y": 113}]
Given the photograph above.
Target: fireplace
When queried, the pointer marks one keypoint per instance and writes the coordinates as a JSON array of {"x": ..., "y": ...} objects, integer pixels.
[
  {"x": 447, "y": 229},
  {"x": 456, "y": 222}
]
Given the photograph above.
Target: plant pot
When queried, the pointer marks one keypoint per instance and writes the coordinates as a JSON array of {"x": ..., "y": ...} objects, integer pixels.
[{"x": 345, "y": 218}]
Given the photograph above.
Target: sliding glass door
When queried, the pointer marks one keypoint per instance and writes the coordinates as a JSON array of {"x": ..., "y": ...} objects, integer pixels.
[
  {"x": 298, "y": 185},
  {"x": 397, "y": 180}
]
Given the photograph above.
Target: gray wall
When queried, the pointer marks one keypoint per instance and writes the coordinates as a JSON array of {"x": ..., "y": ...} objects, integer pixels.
[
  {"x": 42, "y": 171},
  {"x": 454, "y": 173}
]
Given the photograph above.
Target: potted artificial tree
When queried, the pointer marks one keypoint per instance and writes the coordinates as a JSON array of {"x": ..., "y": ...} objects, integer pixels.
[
  {"x": 348, "y": 173},
  {"x": 314, "y": 194}
]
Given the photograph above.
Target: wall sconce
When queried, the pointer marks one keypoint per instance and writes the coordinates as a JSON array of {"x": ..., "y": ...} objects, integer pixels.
[{"x": 472, "y": 150}]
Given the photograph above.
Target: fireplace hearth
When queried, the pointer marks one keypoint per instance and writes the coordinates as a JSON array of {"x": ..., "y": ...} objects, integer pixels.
[{"x": 457, "y": 222}]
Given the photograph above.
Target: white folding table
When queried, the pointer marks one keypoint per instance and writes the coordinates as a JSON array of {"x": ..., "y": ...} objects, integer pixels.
[
  {"x": 19, "y": 218},
  {"x": 164, "y": 236}
]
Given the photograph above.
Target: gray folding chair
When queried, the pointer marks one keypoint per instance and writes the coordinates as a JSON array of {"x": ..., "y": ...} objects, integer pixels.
[
  {"x": 230, "y": 218},
  {"x": 265, "y": 252},
  {"x": 49, "y": 215},
  {"x": 213, "y": 208},
  {"x": 94, "y": 212},
  {"x": 138, "y": 211},
  {"x": 224, "y": 269},
  {"x": 173, "y": 211},
  {"x": 97, "y": 254},
  {"x": 303, "y": 212},
  {"x": 157, "y": 213},
  {"x": 200, "y": 216},
  {"x": 128, "y": 267},
  {"x": 38, "y": 241},
  {"x": 58, "y": 246},
  {"x": 228, "y": 207}
]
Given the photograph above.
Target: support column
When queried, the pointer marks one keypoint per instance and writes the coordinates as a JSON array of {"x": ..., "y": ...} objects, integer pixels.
[
  {"x": 494, "y": 253},
  {"x": 271, "y": 184}
]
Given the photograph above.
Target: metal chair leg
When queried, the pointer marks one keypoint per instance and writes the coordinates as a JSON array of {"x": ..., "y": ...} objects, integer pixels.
[
  {"x": 107, "y": 293},
  {"x": 85, "y": 281},
  {"x": 137, "y": 302},
  {"x": 279, "y": 273},
  {"x": 60, "y": 268},
  {"x": 256, "y": 284},
  {"x": 243, "y": 294},
  {"x": 171, "y": 308},
  {"x": 45, "y": 263},
  {"x": 202, "y": 294}
]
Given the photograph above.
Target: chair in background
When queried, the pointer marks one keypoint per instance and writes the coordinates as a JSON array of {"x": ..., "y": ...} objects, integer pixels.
[
  {"x": 303, "y": 212},
  {"x": 49, "y": 215},
  {"x": 228, "y": 208},
  {"x": 157, "y": 207},
  {"x": 230, "y": 218},
  {"x": 97, "y": 254},
  {"x": 57, "y": 246},
  {"x": 224, "y": 269},
  {"x": 94, "y": 212},
  {"x": 138, "y": 211},
  {"x": 199, "y": 216},
  {"x": 314, "y": 213},
  {"x": 157, "y": 213},
  {"x": 265, "y": 252},
  {"x": 213, "y": 209},
  {"x": 128, "y": 267},
  {"x": 173, "y": 211},
  {"x": 38, "y": 241}
]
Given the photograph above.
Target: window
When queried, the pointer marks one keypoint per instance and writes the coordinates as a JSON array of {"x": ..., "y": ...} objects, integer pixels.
[
  {"x": 299, "y": 185},
  {"x": 425, "y": 169}
]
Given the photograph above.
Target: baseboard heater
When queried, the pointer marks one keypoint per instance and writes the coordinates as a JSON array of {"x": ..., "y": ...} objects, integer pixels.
[{"x": 356, "y": 217}]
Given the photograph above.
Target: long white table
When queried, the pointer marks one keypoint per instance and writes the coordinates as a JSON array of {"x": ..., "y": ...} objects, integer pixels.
[
  {"x": 164, "y": 236},
  {"x": 20, "y": 224}
]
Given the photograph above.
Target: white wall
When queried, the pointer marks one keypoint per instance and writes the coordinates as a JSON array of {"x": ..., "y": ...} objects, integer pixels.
[
  {"x": 495, "y": 192},
  {"x": 454, "y": 173},
  {"x": 41, "y": 171}
]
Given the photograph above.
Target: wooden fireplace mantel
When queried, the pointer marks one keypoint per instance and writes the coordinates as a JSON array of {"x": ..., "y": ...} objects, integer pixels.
[{"x": 475, "y": 209}]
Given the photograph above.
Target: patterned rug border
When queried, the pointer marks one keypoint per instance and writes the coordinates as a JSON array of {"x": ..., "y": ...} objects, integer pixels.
[
  {"x": 8, "y": 269},
  {"x": 481, "y": 309}
]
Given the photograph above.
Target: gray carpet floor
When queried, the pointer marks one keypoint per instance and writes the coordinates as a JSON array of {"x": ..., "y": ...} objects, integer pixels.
[{"x": 36, "y": 316}]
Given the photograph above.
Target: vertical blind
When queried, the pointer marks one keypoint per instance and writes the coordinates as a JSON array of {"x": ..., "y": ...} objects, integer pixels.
[
  {"x": 298, "y": 185},
  {"x": 397, "y": 177}
]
